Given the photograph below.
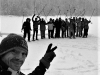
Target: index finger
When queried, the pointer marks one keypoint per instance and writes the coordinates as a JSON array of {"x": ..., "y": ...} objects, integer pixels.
[
  {"x": 54, "y": 48},
  {"x": 49, "y": 48}
]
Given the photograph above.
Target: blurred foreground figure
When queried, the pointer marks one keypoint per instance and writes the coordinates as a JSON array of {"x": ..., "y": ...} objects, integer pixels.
[{"x": 13, "y": 52}]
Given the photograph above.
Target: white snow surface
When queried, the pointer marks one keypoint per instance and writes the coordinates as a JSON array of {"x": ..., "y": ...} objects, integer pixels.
[
  {"x": 78, "y": 56},
  {"x": 73, "y": 56}
]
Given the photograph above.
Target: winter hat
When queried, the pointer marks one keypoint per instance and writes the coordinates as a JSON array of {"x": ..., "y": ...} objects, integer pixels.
[{"x": 12, "y": 41}]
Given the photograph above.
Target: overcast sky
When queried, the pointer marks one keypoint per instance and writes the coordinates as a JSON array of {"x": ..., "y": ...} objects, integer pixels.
[{"x": 26, "y": 7}]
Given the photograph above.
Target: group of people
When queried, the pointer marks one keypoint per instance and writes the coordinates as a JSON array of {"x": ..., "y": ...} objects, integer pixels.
[
  {"x": 14, "y": 48},
  {"x": 57, "y": 28}
]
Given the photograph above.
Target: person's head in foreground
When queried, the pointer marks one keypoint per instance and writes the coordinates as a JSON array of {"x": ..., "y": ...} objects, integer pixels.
[{"x": 13, "y": 51}]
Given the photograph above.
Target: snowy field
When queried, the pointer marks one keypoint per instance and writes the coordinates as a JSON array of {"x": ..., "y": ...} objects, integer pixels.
[{"x": 78, "y": 56}]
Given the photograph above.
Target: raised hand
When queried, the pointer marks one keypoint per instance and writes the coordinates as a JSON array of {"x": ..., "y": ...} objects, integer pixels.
[
  {"x": 49, "y": 48},
  {"x": 49, "y": 56}
]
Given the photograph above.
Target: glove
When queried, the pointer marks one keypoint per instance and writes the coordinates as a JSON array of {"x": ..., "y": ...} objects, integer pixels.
[{"x": 49, "y": 56}]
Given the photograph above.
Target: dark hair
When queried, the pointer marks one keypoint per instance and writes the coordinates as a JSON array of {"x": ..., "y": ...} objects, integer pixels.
[{"x": 28, "y": 19}]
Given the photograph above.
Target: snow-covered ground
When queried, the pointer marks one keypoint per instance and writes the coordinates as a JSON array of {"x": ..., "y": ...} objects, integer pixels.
[
  {"x": 73, "y": 56},
  {"x": 78, "y": 56}
]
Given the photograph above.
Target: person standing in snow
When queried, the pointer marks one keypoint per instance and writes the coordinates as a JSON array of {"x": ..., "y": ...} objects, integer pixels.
[
  {"x": 71, "y": 29},
  {"x": 13, "y": 52},
  {"x": 42, "y": 28},
  {"x": 57, "y": 27},
  {"x": 50, "y": 29},
  {"x": 53, "y": 21},
  {"x": 78, "y": 33},
  {"x": 27, "y": 28},
  {"x": 86, "y": 28},
  {"x": 36, "y": 22},
  {"x": 63, "y": 29},
  {"x": 82, "y": 26},
  {"x": 67, "y": 25}
]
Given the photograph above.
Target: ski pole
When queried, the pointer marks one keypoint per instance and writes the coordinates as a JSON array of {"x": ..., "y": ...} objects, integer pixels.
[
  {"x": 73, "y": 11},
  {"x": 49, "y": 11},
  {"x": 34, "y": 6},
  {"x": 70, "y": 10},
  {"x": 23, "y": 18},
  {"x": 44, "y": 13},
  {"x": 37, "y": 10},
  {"x": 66, "y": 13},
  {"x": 42, "y": 9},
  {"x": 84, "y": 13},
  {"x": 80, "y": 12},
  {"x": 92, "y": 14},
  {"x": 59, "y": 11}
]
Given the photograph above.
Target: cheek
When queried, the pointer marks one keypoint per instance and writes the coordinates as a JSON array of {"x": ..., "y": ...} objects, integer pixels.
[
  {"x": 6, "y": 59},
  {"x": 24, "y": 59}
]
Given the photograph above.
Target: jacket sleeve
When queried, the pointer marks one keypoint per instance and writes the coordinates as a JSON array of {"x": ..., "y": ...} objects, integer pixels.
[{"x": 39, "y": 70}]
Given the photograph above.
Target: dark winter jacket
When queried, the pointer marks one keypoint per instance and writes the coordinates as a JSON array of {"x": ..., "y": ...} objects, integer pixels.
[
  {"x": 42, "y": 25},
  {"x": 63, "y": 26},
  {"x": 86, "y": 25},
  {"x": 35, "y": 24},
  {"x": 39, "y": 70},
  {"x": 26, "y": 26}
]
